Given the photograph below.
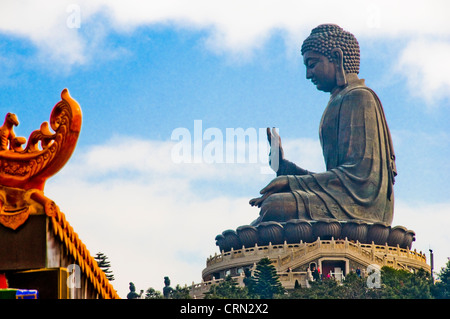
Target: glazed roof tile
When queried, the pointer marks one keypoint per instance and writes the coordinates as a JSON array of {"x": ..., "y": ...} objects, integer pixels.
[{"x": 77, "y": 249}]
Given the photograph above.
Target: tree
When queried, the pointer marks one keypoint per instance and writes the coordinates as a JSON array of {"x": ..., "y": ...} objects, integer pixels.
[
  {"x": 103, "y": 263},
  {"x": 355, "y": 287},
  {"x": 402, "y": 284},
  {"x": 395, "y": 284},
  {"x": 152, "y": 293},
  {"x": 181, "y": 292},
  {"x": 168, "y": 292},
  {"x": 319, "y": 289},
  {"x": 265, "y": 283},
  {"x": 227, "y": 289},
  {"x": 441, "y": 289}
]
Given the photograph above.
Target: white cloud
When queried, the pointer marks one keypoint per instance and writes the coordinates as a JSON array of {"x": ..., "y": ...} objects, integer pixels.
[
  {"x": 423, "y": 63},
  {"x": 236, "y": 26},
  {"x": 129, "y": 200},
  {"x": 75, "y": 33},
  {"x": 44, "y": 24},
  {"x": 130, "y": 155},
  {"x": 430, "y": 222},
  {"x": 305, "y": 152}
]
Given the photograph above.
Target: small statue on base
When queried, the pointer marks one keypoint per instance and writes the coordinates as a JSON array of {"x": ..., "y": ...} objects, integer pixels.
[
  {"x": 167, "y": 290},
  {"x": 133, "y": 294},
  {"x": 8, "y": 139}
]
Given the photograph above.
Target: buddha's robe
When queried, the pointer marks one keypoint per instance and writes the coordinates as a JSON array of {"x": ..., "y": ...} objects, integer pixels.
[{"x": 359, "y": 158}]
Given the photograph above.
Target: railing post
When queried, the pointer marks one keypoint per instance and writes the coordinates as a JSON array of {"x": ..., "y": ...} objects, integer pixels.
[{"x": 373, "y": 251}]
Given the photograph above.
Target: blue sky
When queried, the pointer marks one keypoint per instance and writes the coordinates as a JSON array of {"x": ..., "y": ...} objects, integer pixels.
[{"x": 140, "y": 70}]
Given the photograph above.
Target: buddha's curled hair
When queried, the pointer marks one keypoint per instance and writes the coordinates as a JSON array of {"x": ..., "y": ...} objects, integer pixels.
[{"x": 326, "y": 37}]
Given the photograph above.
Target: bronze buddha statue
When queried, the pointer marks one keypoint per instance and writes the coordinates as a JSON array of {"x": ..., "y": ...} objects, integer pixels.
[{"x": 355, "y": 139}]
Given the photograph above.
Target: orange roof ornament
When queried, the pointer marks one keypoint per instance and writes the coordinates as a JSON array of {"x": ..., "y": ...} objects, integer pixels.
[
  {"x": 25, "y": 165},
  {"x": 29, "y": 167}
]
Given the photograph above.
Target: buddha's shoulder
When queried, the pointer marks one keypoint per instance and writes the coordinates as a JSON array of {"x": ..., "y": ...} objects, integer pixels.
[
  {"x": 357, "y": 95},
  {"x": 359, "y": 91}
]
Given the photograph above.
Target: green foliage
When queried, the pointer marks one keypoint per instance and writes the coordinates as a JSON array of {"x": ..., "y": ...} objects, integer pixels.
[
  {"x": 353, "y": 287},
  {"x": 153, "y": 294},
  {"x": 402, "y": 284},
  {"x": 396, "y": 284},
  {"x": 441, "y": 289},
  {"x": 265, "y": 283},
  {"x": 181, "y": 293},
  {"x": 326, "y": 289},
  {"x": 104, "y": 264},
  {"x": 177, "y": 293},
  {"x": 227, "y": 289}
]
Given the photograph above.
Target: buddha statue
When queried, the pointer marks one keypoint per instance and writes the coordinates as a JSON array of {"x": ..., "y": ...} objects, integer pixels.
[{"x": 355, "y": 139}]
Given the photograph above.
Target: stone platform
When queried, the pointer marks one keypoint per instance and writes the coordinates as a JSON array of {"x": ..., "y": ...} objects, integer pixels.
[{"x": 293, "y": 261}]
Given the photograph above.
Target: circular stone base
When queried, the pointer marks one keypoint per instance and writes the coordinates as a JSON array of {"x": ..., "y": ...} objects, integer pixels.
[{"x": 299, "y": 230}]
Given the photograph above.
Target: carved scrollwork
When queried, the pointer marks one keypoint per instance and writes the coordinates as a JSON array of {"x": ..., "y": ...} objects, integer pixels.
[
  {"x": 46, "y": 152},
  {"x": 16, "y": 205},
  {"x": 14, "y": 209}
]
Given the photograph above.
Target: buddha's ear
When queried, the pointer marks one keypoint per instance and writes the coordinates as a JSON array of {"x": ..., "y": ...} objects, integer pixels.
[{"x": 338, "y": 60}]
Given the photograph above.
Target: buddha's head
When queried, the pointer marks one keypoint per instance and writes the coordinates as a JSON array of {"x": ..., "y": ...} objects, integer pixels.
[{"x": 330, "y": 54}]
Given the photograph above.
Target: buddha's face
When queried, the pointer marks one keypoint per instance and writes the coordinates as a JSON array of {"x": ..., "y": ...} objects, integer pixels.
[{"x": 320, "y": 70}]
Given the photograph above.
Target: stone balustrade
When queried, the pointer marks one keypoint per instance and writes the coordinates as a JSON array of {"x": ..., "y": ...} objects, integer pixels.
[{"x": 286, "y": 255}]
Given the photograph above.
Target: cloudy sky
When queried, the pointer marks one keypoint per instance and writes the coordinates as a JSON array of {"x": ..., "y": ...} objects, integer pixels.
[{"x": 154, "y": 76}]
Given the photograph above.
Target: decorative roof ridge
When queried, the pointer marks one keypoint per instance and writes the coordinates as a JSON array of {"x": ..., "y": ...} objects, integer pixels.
[
  {"x": 77, "y": 249},
  {"x": 26, "y": 166}
]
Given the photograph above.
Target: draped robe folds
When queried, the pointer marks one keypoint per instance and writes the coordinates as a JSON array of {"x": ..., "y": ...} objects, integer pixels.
[{"x": 359, "y": 159}]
